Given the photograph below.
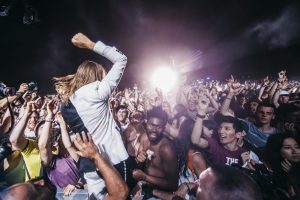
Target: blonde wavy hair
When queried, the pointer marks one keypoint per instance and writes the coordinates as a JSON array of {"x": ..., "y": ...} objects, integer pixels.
[{"x": 87, "y": 72}]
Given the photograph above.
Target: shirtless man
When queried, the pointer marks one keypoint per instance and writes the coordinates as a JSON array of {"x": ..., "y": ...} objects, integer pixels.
[{"x": 157, "y": 155}]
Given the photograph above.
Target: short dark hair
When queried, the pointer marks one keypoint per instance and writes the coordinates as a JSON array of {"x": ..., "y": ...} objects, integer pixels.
[
  {"x": 231, "y": 183},
  {"x": 254, "y": 99},
  {"x": 44, "y": 191},
  {"x": 236, "y": 123},
  {"x": 157, "y": 112},
  {"x": 266, "y": 104},
  {"x": 210, "y": 124},
  {"x": 122, "y": 107}
]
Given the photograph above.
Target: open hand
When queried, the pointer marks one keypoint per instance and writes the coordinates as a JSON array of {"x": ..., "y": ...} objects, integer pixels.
[
  {"x": 52, "y": 107},
  {"x": 26, "y": 96},
  {"x": 60, "y": 118},
  {"x": 69, "y": 189},
  {"x": 203, "y": 103},
  {"x": 30, "y": 107},
  {"x": 85, "y": 145}
]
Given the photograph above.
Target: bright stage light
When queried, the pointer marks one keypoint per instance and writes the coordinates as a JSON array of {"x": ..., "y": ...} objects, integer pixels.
[{"x": 164, "y": 78}]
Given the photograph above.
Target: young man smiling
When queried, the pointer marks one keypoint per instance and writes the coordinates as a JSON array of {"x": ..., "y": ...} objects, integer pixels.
[{"x": 225, "y": 150}]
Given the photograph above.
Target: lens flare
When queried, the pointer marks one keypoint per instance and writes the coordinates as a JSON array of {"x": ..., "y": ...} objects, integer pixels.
[{"x": 164, "y": 78}]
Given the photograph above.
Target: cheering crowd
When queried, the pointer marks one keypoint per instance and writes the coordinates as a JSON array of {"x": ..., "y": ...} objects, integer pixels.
[{"x": 205, "y": 140}]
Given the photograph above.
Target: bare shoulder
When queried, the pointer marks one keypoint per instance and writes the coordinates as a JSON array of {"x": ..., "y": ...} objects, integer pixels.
[{"x": 167, "y": 148}]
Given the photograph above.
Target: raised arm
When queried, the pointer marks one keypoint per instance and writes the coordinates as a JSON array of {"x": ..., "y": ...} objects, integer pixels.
[
  {"x": 171, "y": 131},
  {"x": 66, "y": 138},
  {"x": 273, "y": 90},
  {"x": 115, "y": 185},
  {"x": 3, "y": 102},
  {"x": 261, "y": 91},
  {"x": 43, "y": 141},
  {"x": 127, "y": 94},
  {"x": 26, "y": 97},
  {"x": 5, "y": 122},
  {"x": 119, "y": 60},
  {"x": 182, "y": 96},
  {"x": 147, "y": 104},
  {"x": 136, "y": 93},
  {"x": 275, "y": 98},
  {"x": 213, "y": 102},
  {"x": 198, "y": 126},
  {"x": 274, "y": 94},
  {"x": 234, "y": 89},
  {"x": 17, "y": 138}
]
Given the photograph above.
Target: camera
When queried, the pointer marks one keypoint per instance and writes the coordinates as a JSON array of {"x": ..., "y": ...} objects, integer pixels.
[
  {"x": 5, "y": 149},
  {"x": 32, "y": 86},
  {"x": 6, "y": 91}
]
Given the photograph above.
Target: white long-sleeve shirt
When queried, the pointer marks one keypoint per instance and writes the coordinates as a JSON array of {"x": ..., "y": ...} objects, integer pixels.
[{"x": 92, "y": 111}]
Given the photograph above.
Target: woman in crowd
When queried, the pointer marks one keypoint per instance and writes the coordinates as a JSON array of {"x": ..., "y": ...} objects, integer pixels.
[
  {"x": 282, "y": 152},
  {"x": 58, "y": 156}
]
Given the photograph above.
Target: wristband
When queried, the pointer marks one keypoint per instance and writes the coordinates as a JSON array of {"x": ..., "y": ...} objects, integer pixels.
[{"x": 201, "y": 116}]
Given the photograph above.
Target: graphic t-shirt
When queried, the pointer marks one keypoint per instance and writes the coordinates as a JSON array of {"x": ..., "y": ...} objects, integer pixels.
[{"x": 223, "y": 156}]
